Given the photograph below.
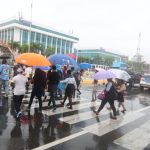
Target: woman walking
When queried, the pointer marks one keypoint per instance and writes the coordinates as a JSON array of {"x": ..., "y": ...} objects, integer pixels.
[
  {"x": 70, "y": 88},
  {"x": 39, "y": 83},
  {"x": 19, "y": 83},
  {"x": 121, "y": 87},
  {"x": 109, "y": 97}
]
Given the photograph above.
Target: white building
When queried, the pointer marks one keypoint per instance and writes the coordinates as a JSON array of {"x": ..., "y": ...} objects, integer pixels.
[{"x": 24, "y": 32}]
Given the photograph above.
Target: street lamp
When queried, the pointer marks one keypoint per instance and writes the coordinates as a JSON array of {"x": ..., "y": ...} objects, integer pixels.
[{"x": 30, "y": 27}]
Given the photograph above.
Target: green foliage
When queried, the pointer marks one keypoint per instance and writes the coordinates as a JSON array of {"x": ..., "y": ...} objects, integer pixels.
[
  {"x": 14, "y": 45},
  {"x": 49, "y": 51},
  {"x": 23, "y": 48}
]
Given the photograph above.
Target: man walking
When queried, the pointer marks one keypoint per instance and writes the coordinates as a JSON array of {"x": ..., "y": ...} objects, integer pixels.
[
  {"x": 53, "y": 78},
  {"x": 5, "y": 72}
]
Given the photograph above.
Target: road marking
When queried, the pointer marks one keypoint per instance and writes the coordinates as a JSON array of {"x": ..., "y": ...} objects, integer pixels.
[{"x": 60, "y": 141}]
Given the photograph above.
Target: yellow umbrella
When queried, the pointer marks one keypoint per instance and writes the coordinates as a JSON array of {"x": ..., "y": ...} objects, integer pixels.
[{"x": 32, "y": 59}]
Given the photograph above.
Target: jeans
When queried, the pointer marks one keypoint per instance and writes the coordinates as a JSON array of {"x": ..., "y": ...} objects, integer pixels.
[
  {"x": 52, "y": 99},
  {"x": 5, "y": 86}
]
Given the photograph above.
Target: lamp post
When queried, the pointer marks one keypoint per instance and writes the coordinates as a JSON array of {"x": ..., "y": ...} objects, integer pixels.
[{"x": 30, "y": 27}]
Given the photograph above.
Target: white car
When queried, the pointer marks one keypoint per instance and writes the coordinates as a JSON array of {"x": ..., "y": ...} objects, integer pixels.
[{"x": 145, "y": 81}]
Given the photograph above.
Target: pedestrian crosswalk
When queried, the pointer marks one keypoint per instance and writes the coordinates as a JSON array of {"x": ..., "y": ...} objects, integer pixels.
[{"x": 129, "y": 131}]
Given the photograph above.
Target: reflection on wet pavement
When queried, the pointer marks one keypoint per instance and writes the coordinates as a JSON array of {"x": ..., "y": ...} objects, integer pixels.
[{"x": 74, "y": 129}]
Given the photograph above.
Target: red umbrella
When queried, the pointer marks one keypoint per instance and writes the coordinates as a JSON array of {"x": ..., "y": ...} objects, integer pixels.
[{"x": 71, "y": 55}]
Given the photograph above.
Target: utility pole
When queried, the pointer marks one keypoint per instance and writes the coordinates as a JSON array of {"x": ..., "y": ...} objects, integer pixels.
[{"x": 30, "y": 27}]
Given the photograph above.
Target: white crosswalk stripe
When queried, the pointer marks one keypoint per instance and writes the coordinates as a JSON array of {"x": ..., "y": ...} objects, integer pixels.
[{"x": 137, "y": 139}]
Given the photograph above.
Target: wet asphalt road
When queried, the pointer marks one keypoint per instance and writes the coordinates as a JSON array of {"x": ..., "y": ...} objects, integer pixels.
[{"x": 74, "y": 129}]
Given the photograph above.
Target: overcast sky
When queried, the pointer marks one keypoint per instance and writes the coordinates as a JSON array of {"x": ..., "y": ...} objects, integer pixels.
[{"x": 111, "y": 24}]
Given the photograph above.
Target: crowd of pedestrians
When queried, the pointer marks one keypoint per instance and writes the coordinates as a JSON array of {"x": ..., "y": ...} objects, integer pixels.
[
  {"x": 22, "y": 76},
  {"x": 53, "y": 81}
]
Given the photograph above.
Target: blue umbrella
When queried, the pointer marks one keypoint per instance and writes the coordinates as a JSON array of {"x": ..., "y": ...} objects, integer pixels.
[
  {"x": 85, "y": 65},
  {"x": 42, "y": 67},
  {"x": 61, "y": 59}
]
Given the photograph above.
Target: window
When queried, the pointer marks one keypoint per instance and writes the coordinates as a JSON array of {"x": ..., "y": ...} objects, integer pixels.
[
  {"x": 38, "y": 37},
  {"x": 32, "y": 37},
  {"x": 24, "y": 37},
  {"x": 44, "y": 40},
  {"x": 63, "y": 46},
  {"x": 58, "y": 46},
  {"x": 49, "y": 40}
]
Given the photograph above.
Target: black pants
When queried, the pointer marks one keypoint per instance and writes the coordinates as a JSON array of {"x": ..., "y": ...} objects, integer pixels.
[
  {"x": 111, "y": 103},
  {"x": 38, "y": 94},
  {"x": 17, "y": 102}
]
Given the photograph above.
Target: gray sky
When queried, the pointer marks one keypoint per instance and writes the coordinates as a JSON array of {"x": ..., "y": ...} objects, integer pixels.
[{"x": 111, "y": 24}]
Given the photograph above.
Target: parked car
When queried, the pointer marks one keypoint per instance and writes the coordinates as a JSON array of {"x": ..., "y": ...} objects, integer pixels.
[
  {"x": 135, "y": 78},
  {"x": 145, "y": 81}
]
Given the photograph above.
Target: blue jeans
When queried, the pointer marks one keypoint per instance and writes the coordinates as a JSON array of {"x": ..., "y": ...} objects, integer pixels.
[
  {"x": 52, "y": 99},
  {"x": 5, "y": 86}
]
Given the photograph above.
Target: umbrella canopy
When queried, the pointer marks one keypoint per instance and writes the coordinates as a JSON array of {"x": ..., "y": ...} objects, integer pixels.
[
  {"x": 103, "y": 74},
  {"x": 120, "y": 74},
  {"x": 61, "y": 59},
  {"x": 42, "y": 67},
  {"x": 32, "y": 59},
  {"x": 71, "y": 55},
  {"x": 85, "y": 65},
  {"x": 99, "y": 69}
]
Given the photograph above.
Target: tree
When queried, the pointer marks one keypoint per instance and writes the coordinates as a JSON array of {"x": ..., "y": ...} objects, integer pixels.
[
  {"x": 82, "y": 59},
  {"x": 14, "y": 45},
  {"x": 37, "y": 47},
  {"x": 23, "y": 48},
  {"x": 49, "y": 51}
]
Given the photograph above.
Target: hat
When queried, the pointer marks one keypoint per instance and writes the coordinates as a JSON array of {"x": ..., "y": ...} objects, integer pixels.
[{"x": 19, "y": 70}]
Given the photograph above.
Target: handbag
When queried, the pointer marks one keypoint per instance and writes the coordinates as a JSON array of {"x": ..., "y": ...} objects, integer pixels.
[{"x": 101, "y": 95}]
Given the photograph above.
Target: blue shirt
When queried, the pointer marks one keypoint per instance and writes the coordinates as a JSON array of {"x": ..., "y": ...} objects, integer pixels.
[{"x": 5, "y": 71}]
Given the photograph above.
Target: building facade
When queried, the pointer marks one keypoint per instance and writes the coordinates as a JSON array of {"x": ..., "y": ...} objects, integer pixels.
[
  {"x": 102, "y": 54},
  {"x": 24, "y": 32},
  {"x": 92, "y": 53}
]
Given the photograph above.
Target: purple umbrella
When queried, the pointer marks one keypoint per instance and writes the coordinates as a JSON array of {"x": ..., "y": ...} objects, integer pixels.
[{"x": 103, "y": 74}]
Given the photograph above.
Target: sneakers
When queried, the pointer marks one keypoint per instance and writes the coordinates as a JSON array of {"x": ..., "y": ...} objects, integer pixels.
[{"x": 69, "y": 107}]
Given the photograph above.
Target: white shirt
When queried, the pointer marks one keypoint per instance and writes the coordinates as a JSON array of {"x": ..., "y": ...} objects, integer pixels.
[
  {"x": 28, "y": 71},
  {"x": 20, "y": 84},
  {"x": 70, "y": 80},
  {"x": 108, "y": 86}
]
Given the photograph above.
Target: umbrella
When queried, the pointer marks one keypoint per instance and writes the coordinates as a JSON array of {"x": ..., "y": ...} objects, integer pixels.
[
  {"x": 42, "y": 67},
  {"x": 99, "y": 69},
  {"x": 61, "y": 59},
  {"x": 32, "y": 59},
  {"x": 71, "y": 55},
  {"x": 120, "y": 74},
  {"x": 104, "y": 75},
  {"x": 85, "y": 65}
]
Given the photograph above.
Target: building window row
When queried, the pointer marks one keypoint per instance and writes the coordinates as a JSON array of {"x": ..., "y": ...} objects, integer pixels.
[{"x": 60, "y": 45}]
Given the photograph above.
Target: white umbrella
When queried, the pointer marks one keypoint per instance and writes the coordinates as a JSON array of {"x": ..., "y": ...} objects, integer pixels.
[{"x": 120, "y": 74}]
